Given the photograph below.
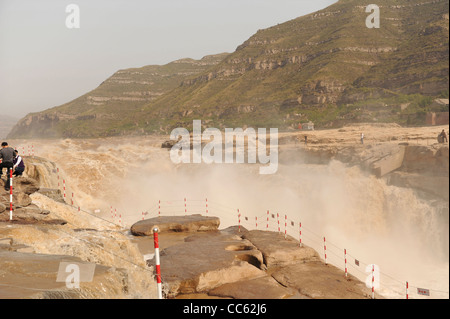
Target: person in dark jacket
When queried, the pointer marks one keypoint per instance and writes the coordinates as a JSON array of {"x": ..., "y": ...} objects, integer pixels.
[
  {"x": 7, "y": 157},
  {"x": 19, "y": 165},
  {"x": 443, "y": 137}
]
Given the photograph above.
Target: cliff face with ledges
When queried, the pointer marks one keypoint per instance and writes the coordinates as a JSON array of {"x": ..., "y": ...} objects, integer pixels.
[{"x": 325, "y": 67}]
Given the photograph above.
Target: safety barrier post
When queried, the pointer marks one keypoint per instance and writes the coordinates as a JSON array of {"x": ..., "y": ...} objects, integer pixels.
[
  {"x": 157, "y": 259},
  {"x": 206, "y": 206},
  {"x": 407, "y": 286},
  {"x": 373, "y": 282},
  {"x": 64, "y": 183},
  {"x": 300, "y": 233},
  {"x": 185, "y": 207},
  {"x": 285, "y": 226},
  {"x": 325, "y": 250},
  {"x": 345, "y": 259},
  {"x": 278, "y": 221},
  {"x": 159, "y": 208},
  {"x": 10, "y": 193},
  {"x": 256, "y": 218},
  {"x": 267, "y": 220},
  {"x": 239, "y": 220}
]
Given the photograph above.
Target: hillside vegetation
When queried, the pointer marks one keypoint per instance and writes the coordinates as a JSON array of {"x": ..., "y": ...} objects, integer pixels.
[{"x": 326, "y": 67}]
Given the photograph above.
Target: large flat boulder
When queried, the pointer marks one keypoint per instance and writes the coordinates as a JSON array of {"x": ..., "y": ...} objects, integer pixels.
[
  {"x": 318, "y": 280},
  {"x": 190, "y": 224},
  {"x": 258, "y": 288},
  {"x": 277, "y": 250},
  {"x": 208, "y": 260}
]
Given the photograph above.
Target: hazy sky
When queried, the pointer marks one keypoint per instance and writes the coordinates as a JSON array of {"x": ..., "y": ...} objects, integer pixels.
[{"x": 44, "y": 64}]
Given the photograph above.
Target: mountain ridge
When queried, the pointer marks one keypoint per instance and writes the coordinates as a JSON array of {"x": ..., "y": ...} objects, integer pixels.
[{"x": 326, "y": 67}]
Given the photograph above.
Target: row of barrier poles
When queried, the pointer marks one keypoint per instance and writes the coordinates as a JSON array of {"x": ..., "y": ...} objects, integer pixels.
[
  {"x": 420, "y": 291},
  {"x": 242, "y": 217}
]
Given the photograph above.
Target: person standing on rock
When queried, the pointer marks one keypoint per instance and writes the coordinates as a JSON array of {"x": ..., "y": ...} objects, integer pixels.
[
  {"x": 19, "y": 165},
  {"x": 7, "y": 157},
  {"x": 362, "y": 138},
  {"x": 444, "y": 137}
]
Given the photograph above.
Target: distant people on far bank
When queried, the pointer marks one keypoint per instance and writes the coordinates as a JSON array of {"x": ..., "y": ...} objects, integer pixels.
[
  {"x": 7, "y": 157},
  {"x": 362, "y": 138},
  {"x": 442, "y": 138},
  {"x": 19, "y": 165}
]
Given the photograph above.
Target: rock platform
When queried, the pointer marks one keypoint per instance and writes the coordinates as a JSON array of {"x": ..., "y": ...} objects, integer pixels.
[{"x": 205, "y": 262}]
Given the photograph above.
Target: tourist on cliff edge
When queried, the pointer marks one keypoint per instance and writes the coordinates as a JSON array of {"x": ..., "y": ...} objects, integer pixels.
[
  {"x": 7, "y": 157},
  {"x": 19, "y": 165}
]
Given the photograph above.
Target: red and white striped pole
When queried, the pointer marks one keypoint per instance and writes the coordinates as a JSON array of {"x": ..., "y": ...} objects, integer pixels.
[
  {"x": 373, "y": 282},
  {"x": 267, "y": 220},
  {"x": 345, "y": 259},
  {"x": 158, "y": 263},
  {"x": 185, "y": 207},
  {"x": 285, "y": 226},
  {"x": 325, "y": 250},
  {"x": 407, "y": 286},
  {"x": 159, "y": 208},
  {"x": 72, "y": 199},
  {"x": 300, "y": 233},
  {"x": 239, "y": 220},
  {"x": 64, "y": 183},
  {"x": 57, "y": 169},
  {"x": 256, "y": 218},
  {"x": 278, "y": 221},
  {"x": 10, "y": 193},
  {"x": 112, "y": 215}
]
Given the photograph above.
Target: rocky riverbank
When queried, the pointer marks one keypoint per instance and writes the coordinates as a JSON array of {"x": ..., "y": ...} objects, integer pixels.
[
  {"x": 200, "y": 261},
  {"x": 46, "y": 231}
]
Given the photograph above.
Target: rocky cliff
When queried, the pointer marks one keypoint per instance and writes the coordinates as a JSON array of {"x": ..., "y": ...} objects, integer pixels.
[
  {"x": 107, "y": 110},
  {"x": 326, "y": 67}
]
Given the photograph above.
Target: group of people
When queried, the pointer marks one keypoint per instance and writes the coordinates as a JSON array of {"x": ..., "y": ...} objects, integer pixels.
[{"x": 10, "y": 159}]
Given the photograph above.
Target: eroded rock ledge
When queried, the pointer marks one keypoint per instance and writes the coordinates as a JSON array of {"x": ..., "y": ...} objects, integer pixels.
[
  {"x": 24, "y": 211},
  {"x": 241, "y": 264}
]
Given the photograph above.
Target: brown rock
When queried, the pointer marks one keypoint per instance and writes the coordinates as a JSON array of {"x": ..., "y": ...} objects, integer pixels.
[
  {"x": 277, "y": 250},
  {"x": 208, "y": 260},
  {"x": 25, "y": 185},
  {"x": 320, "y": 281},
  {"x": 21, "y": 199},
  {"x": 193, "y": 223},
  {"x": 259, "y": 288}
]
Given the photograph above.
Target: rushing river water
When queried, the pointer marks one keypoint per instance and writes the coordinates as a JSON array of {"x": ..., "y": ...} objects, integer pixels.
[{"x": 126, "y": 179}]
